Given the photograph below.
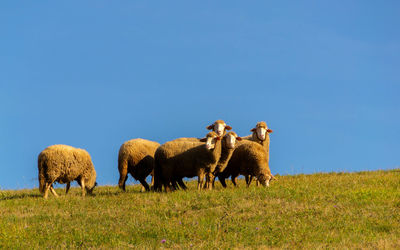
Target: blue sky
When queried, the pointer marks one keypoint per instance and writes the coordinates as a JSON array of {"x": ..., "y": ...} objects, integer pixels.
[{"x": 324, "y": 75}]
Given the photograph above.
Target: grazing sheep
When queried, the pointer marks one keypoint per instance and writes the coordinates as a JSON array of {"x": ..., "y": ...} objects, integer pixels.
[
  {"x": 248, "y": 159},
  {"x": 177, "y": 159},
  {"x": 63, "y": 164},
  {"x": 229, "y": 143},
  {"x": 137, "y": 158}
]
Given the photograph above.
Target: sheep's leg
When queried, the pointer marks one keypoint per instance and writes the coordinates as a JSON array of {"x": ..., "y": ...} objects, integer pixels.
[
  {"x": 174, "y": 184},
  {"x": 222, "y": 180},
  {"x": 234, "y": 180},
  {"x": 181, "y": 184},
  {"x": 53, "y": 191},
  {"x": 209, "y": 180},
  {"x": 122, "y": 183},
  {"x": 152, "y": 181},
  {"x": 166, "y": 183},
  {"x": 250, "y": 179},
  {"x": 167, "y": 187},
  {"x": 257, "y": 183},
  {"x": 68, "y": 186},
  {"x": 247, "y": 178},
  {"x": 145, "y": 185},
  {"x": 200, "y": 181},
  {"x": 123, "y": 175},
  {"x": 205, "y": 186},
  {"x": 83, "y": 187},
  {"x": 46, "y": 190}
]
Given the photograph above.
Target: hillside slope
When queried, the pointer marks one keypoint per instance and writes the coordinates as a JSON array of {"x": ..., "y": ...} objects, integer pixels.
[{"x": 336, "y": 210}]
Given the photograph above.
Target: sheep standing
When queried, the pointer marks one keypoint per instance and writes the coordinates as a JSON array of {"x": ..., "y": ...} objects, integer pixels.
[
  {"x": 219, "y": 127},
  {"x": 229, "y": 143},
  {"x": 261, "y": 135},
  {"x": 178, "y": 159},
  {"x": 248, "y": 159},
  {"x": 63, "y": 164},
  {"x": 137, "y": 158}
]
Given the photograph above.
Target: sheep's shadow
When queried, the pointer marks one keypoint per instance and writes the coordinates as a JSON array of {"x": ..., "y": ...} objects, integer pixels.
[{"x": 20, "y": 196}]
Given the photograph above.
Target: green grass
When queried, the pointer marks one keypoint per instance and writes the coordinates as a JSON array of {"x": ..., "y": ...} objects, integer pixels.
[{"x": 336, "y": 210}]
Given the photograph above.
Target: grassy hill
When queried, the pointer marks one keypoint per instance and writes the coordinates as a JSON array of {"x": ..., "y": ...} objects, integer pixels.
[{"x": 344, "y": 210}]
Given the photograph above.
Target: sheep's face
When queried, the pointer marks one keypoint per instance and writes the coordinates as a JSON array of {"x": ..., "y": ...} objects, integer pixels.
[
  {"x": 261, "y": 130},
  {"x": 219, "y": 127},
  {"x": 261, "y": 133},
  {"x": 230, "y": 140},
  {"x": 90, "y": 183},
  {"x": 90, "y": 189},
  {"x": 264, "y": 179},
  {"x": 210, "y": 140}
]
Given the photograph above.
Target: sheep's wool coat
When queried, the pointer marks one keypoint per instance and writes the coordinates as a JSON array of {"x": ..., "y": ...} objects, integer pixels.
[
  {"x": 63, "y": 164},
  {"x": 136, "y": 157}
]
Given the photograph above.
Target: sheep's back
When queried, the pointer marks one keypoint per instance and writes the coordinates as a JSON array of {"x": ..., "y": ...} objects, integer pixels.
[
  {"x": 65, "y": 163},
  {"x": 248, "y": 157},
  {"x": 138, "y": 149},
  {"x": 176, "y": 147}
]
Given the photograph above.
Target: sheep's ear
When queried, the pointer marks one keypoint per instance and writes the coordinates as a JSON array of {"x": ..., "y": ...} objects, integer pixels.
[
  {"x": 269, "y": 130},
  {"x": 253, "y": 130},
  {"x": 211, "y": 127},
  {"x": 239, "y": 138},
  {"x": 227, "y": 127},
  {"x": 203, "y": 139}
]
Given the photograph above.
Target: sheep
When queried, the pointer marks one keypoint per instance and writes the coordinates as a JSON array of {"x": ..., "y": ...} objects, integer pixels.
[
  {"x": 248, "y": 159},
  {"x": 177, "y": 159},
  {"x": 219, "y": 127},
  {"x": 229, "y": 143},
  {"x": 261, "y": 135},
  {"x": 137, "y": 158},
  {"x": 63, "y": 164}
]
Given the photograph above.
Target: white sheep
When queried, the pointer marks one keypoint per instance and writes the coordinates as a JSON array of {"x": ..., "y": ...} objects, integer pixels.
[
  {"x": 63, "y": 164},
  {"x": 137, "y": 158},
  {"x": 178, "y": 159}
]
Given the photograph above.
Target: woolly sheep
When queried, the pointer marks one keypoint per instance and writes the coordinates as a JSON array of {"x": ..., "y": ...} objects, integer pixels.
[
  {"x": 178, "y": 159},
  {"x": 248, "y": 159},
  {"x": 219, "y": 127},
  {"x": 261, "y": 135},
  {"x": 137, "y": 158},
  {"x": 229, "y": 143},
  {"x": 63, "y": 164}
]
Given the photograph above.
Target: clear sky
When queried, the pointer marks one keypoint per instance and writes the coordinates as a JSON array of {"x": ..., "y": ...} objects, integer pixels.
[{"x": 324, "y": 75}]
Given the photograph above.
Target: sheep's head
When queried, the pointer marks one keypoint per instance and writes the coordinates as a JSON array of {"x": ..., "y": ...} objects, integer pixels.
[
  {"x": 264, "y": 179},
  {"x": 210, "y": 140},
  {"x": 219, "y": 127},
  {"x": 230, "y": 140},
  {"x": 261, "y": 130},
  {"x": 90, "y": 183}
]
